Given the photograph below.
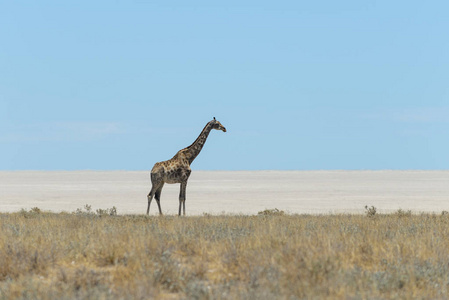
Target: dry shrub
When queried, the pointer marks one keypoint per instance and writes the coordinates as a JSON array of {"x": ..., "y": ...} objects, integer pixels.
[{"x": 271, "y": 212}]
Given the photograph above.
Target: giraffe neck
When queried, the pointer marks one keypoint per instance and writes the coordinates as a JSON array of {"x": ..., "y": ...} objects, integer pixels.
[{"x": 195, "y": 149}]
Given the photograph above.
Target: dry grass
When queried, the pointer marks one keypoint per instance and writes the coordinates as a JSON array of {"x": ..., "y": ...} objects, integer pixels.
[{"x": 107, "y": 256}]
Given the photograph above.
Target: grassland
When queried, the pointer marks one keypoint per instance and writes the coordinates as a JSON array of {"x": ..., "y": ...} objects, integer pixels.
[{"x": 269, "y": 256}]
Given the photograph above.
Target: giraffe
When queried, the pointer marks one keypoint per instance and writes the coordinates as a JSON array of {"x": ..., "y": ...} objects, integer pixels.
[{"x": 177, "y": 169}]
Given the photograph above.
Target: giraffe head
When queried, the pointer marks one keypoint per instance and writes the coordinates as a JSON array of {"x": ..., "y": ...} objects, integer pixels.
[{"x": 217, "y": 125}]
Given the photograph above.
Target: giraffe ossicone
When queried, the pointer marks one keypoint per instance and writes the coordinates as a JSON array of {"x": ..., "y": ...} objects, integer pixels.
[{"x": 177, "y": 169}]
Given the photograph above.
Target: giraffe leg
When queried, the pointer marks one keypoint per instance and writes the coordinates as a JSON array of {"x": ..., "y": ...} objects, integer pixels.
[
  {"x": 182, "y": 198},
  {"x": 158, "y": 198},
  {"x": 184, "y": 207},
  {"x": 150, "y": 198},
  {"x": 157, "y": 184}
]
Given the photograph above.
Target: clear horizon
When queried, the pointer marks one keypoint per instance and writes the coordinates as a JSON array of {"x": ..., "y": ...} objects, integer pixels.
[{"x": 299, "y": 86}]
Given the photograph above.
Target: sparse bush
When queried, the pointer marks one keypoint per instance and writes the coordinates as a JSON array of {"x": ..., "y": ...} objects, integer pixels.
[
  {"x": 99, "y": 212},
  {"x": 107, "y": 212},
  {"x": 87, "y": 210},
  {"x": 35, "y": 210},
  {"x": 370, "y": 211},
  {"x": 271, "y": 212},
  {"x": 31, "y": 213},
  {"x": 403, "y": 213}
]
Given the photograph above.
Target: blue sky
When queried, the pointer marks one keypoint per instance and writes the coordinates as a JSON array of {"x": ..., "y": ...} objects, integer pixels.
[{"x": 300, "y": 85}]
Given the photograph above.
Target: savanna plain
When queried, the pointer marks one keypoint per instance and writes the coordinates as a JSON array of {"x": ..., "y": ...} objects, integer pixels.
[
  {"x": 272, "y": 255},
  {"x": 246, "y": 235}
]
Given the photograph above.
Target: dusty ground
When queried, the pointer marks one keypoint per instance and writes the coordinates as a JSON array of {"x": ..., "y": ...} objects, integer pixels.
[{"x": 246, "y": 192}]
